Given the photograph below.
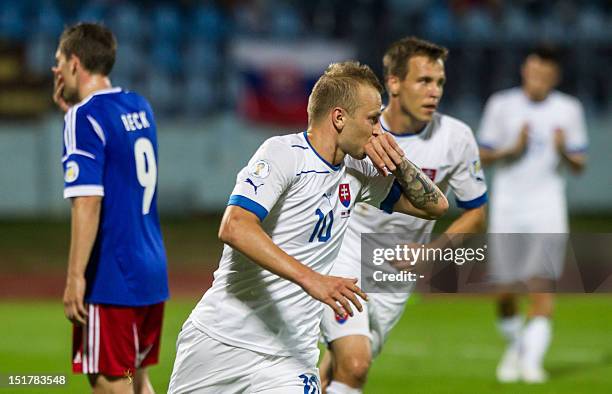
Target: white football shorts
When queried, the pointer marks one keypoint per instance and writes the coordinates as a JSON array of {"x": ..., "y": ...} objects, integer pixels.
[
  {"x": 379, "y": 316},
  {"x": 205, "y": 365},
  {"x": 527, "y": 244}
]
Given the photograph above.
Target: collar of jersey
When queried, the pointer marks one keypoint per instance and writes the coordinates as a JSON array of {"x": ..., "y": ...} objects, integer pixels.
[
  {"x": 395, "y": 134},
  {"x": 533, "y": 103},
  {"x": 330, "y": 165},
  {"x": 116, "y": 89}
]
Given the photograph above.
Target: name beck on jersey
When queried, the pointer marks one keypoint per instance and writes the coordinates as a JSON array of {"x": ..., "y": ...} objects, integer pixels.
[{"x": 135, "y": 121}]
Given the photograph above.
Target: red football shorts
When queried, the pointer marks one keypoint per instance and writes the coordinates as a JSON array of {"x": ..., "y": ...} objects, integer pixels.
[{"x": 117, "y": 340}]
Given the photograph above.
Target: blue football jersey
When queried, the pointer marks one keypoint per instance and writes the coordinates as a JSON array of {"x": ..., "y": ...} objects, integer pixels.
[{"x": 110, "y": 150}]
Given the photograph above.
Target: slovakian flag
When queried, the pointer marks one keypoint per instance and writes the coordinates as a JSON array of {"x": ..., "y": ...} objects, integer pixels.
[
  {"x": 276, "y": 78},
  {"x": 344, "y": 192}
]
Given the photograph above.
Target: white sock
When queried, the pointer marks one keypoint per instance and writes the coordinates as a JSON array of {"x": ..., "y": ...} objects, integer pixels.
[
  {"x": 535, "y": 341},
  {"x": 336, "y": 387},
  {"x": 510, "y": 327}
]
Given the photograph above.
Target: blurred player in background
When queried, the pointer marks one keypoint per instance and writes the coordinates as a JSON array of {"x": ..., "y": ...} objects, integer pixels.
[
  {"x": 116, "y": 283},
  {"x": 530, "y": 132},
  {"x": 446, "y": 151},
  {"x": 256, "y": 329}
]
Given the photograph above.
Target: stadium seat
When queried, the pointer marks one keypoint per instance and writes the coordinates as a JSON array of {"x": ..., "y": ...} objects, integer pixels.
[
  {"x": 166, "y": 57},
  {"x": 199, "y": 97},
  {"x": 92, "y": 11},
  {"x": 39, "y": 50},
  {"x": 208, "y": 24},
  {"x": 162, "y": 91},
  {"x": 12, "y": 21},
  {"x": 127, "y": 23},
  {"x": 202, "y": 57},
  {"x": 167, "y": 23},
  {"x": 48, "y": 19}
]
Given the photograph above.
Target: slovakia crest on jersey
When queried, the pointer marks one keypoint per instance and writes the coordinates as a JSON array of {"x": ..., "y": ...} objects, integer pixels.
[{"x": 344, "y": 192}]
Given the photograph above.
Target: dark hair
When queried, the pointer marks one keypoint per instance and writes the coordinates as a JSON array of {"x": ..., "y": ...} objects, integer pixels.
[
  {"x": 395, "y": 61},
  {"x": 94, "y": 44},
  {"x": 546, "y": 52},
  {"x": 338, "y": 87}
]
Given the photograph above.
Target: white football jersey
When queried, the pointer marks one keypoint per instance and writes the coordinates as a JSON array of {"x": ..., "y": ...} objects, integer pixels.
[
  {"x": 534, "y": 183},
  {"x": 447, "y": 152},
  {"x": 304, "y": 203}
]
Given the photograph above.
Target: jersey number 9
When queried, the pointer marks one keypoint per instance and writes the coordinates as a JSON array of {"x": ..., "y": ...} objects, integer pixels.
[{"x": 146, "y": 170}]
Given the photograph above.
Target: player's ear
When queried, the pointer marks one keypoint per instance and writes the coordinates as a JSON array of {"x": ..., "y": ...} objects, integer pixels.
[
  {"x": 74, "y": 62},
  {"x": 338, "y": 118},
  {"x": 525, "y": 65},
  {"x": 393, "y": 85}
]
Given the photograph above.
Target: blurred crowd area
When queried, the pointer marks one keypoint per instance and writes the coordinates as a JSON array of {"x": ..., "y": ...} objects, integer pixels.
[{"x": 177, "y": 52}]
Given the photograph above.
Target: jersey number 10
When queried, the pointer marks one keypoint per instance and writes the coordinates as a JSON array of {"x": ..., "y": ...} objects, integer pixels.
[
  {"x": 146, "y": 170},
  {"x": 323, "y": 227}
]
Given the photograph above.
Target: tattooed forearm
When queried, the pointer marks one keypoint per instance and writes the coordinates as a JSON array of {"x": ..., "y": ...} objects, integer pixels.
[{"x": 416, "y": 186}]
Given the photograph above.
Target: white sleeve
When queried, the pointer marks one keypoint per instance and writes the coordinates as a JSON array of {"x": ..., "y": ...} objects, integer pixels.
[
  {"x": 489, "y": 134},
  {"x": 266, "y": 176},
  {"x": 576, "y": 138},
  {"x": 376, "y": 190},
  {"x": 467, "y": 180}
]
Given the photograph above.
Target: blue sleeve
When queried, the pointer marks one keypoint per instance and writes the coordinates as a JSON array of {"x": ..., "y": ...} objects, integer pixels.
[
  {"x": 249, "y": 205},
  {"x": 83, "y": 160},
  {"x": 393, "y": 197},
  {"x": 474, "y": 203}
]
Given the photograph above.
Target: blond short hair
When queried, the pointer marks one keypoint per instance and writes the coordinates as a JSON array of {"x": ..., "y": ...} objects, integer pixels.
[{"x": 338, "y": 87}]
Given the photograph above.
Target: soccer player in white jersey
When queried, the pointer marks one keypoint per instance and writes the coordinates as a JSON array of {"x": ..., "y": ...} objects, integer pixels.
[
  {"x": 529, "y": 132},
  {"x": 447, "y": 152},
  {"x": 257, "y": 328}
]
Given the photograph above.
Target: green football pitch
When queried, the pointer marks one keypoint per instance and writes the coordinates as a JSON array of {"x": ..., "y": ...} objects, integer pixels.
[{"x": 443, "y": 344}]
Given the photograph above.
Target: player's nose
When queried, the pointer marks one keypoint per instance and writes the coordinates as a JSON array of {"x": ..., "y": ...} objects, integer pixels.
[{"x": 376, "y": 130}]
